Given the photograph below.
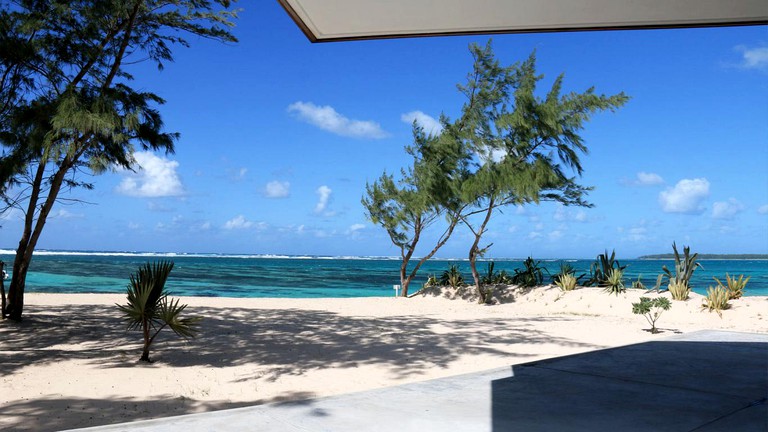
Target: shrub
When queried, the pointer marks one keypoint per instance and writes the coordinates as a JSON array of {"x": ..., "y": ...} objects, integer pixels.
[
  {"x": 651, "y": 309},
  {"x": 431, "y": 282},
  {"x": 566, "y": 269},
  {"x": 531, "y": 275},
  {"x": 638, "y": 284},
  {"x": 492, "y": 277},
  {"x": 684, "y": 266},
  {"x": 716, "y": 300},
  {"x": 735, "y": 287},
  {"x": 566, "y": 282},
  {"x": 614, "y": 283},
  {"x": 150, "y": 310},
  {"x": 601, "y": 268},
  {"x": 679, "y": 290},
  {"x": 452, "y": 277}
]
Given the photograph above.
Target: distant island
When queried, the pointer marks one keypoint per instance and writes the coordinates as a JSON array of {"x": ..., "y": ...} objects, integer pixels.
[{"x": 710, "y": 256}]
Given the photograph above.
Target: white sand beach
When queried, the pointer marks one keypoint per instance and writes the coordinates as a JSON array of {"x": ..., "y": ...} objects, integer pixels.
[{"x": 71, "y": 363}]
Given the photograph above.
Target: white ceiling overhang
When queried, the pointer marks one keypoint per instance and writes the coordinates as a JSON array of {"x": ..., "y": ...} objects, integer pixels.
[{"x": 335, "y": 20}]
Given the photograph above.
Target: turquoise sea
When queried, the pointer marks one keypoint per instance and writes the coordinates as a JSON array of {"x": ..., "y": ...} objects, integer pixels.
[{"x": 309, "y": 276}]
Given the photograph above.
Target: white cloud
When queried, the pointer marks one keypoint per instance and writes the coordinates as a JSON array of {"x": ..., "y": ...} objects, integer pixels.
[
  {"x": 753, "y": 58},
  {"x": 277, "y": 189},
  {"x": 726, "y": 209},
  {"x": 687, "y": 196},
  {"x": 763, "y": 209},
  {"x": 356, "y": 227},
  {"x": 66, "y": 214},
  {"x": 156, "y": 177},
  {"x": 648, "y": 179},
  {"x": 326, "y": 118},
  {"x": 324, "y": 192},
  {"x": 430, "y": 125},
  {"x": 562, "y": 215},
  {"x": 133, "y": 226},
  {"x": 533, "y": 235},
  {"x": 555, "y": 235},
  {"x": 238, "y": 222}
]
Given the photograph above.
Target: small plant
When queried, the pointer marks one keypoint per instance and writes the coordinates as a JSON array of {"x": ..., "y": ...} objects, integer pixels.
[
  {"x": 602, "y": 266},
  {"x": 566, "y": 269},
  {"x": 735, "y": 287},
  {"x": 638, "y": 284},
  {"x": 679, "y": 290},
  {"x": 684, "y": 266},
  {"x": 431, "y": 282},
  {"x": 716, "y": 300},
  {"x": 651, "y": 309},
  {"x": 614, "y": 283},
  {"x": 452, "y": 277},
  {"x": 150, "y": 310},
  {"x": 531, "y": 275},
  {"x": 566, "y": 282}
]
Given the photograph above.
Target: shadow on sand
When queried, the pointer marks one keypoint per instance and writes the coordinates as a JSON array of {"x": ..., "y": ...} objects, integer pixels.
[{"x": 290, "y": 340}]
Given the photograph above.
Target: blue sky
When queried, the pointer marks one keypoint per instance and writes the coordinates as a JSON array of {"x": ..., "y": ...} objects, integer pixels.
[{"x": 279, "y": 137}]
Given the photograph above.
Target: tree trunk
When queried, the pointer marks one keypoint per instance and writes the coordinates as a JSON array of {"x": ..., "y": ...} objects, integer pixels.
[
  {"x": 2, "y": 289},
  {"x": 474, "y": 251},
  {"x": 147, "y": 343},
  {"x": 30, "y": 236}
]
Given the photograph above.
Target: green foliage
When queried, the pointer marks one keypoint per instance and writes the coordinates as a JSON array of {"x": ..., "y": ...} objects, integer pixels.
[
  {"x": 651, "y": 309},
  {"x": 684, "y": 267},
  {"x": 735, "y": 287},
  {"x": 431, "y": 282},
  {"x": 716, "y": 300},
  {"x": 638, "y": 284},
  {"x": 602, "y": 267},
  {"x": 67, "y": 108},
  {"x": 614, "y": 283},
  {"x": 566, "y": 269},
  {"x": 679, "y": 290},
  {"x": 407, "y": 207},
  {"x": 566, "y": 282},
  {"x": 150, "y": 310},
  {"x": 452, "y": 277},
  {"x": 531, "y": 275},
  {"x": 491, "y": 277}
]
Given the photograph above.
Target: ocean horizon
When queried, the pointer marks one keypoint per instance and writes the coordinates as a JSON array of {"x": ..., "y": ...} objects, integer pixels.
[{"x": 309, "y": 276}]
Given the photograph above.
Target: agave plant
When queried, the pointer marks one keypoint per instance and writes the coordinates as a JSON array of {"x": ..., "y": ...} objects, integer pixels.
[
  {"x": 735, "y": 287},
  {"x": 566, "y": 282},
  {"x": 716, "y": 300},
  {"x": 614, "y": 283},
  {"x": 149, "y": 308},
  {"x": 684, "y": 266},
  {"x": 602, "y": 267},
  {"x": 531, "y": 275},
  {"x": 565, "y": 270},
  {"x": 452, "y": 277},
  {"x": 679, "y": 290},
  {"x": 492, "y": 277}
]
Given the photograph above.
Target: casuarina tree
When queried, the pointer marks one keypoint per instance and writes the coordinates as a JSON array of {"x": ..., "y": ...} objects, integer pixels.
[
  {"x": 73, "y": 110},
  {"x": 524, "y": 148}
]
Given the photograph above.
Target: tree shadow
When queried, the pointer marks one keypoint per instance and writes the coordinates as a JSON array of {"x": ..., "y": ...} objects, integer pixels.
[{"x": 286, "y": 341}]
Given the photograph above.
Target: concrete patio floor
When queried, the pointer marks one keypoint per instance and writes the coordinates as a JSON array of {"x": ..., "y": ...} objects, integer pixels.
[{"x": 704, "y": 381}]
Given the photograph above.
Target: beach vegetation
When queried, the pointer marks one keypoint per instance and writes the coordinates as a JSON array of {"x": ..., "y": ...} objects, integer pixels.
[
  {"x": 565, "y": 270},
  {"x": 68, "y": 110},
  {"x": 566, "y": 282},
  {"x": 523, "y": 149},
  {"x": 150, "y": 309},
  {"x": 452, "y": 277},
  {"x": 638, "y": 284},
  {"x": 424, "y": 194},
  {"x": 735, "y": 287},
  {"x": 531, "y": 275},
  {"x": 716, "y": 300},
  {"x": 614, "y": 283},
  {"x": 492, "y": 277},
  {"x": 651, "y": 309},
  {"x": 431, "y": 282},
  {"x": 602, "y": 267},
  {"x": 684, "y": 267},
  {"x": 679, "y": 290}
]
